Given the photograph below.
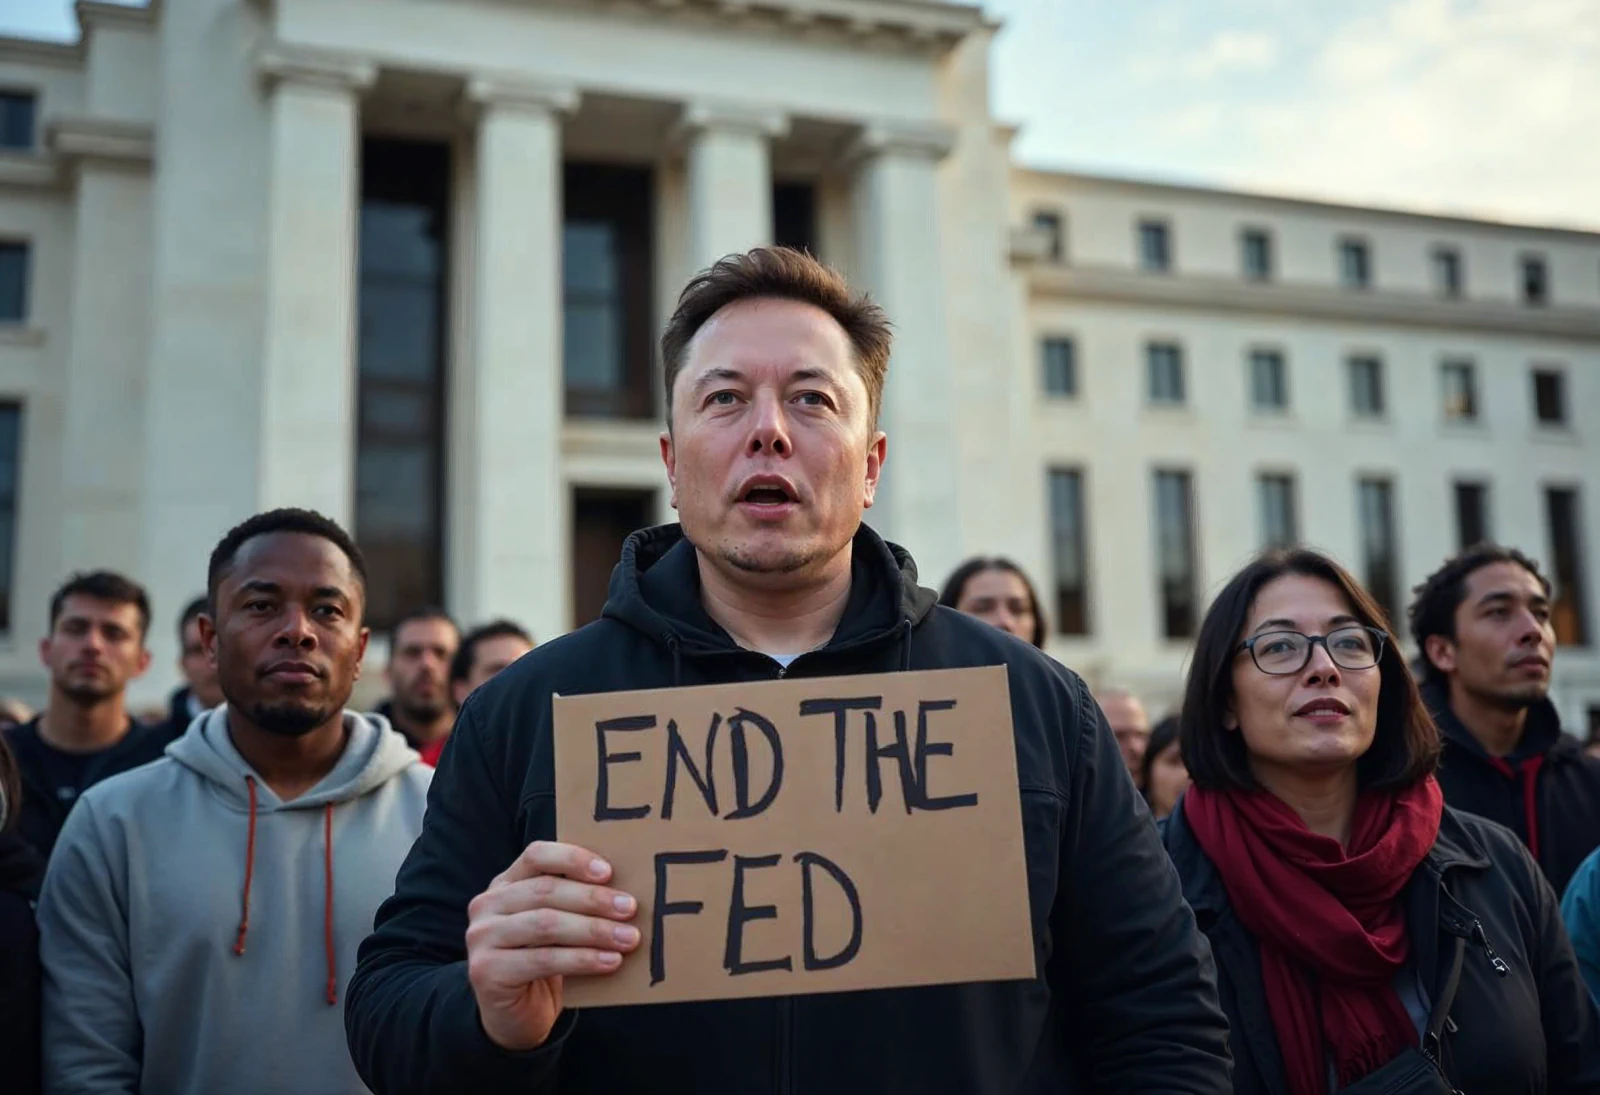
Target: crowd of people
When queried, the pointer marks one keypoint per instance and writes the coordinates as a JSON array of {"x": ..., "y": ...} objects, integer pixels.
[{"x": 1328, "y": 870}]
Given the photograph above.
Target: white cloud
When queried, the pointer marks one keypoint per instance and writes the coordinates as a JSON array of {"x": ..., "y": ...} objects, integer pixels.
[{"x": 1233, "y": 51}]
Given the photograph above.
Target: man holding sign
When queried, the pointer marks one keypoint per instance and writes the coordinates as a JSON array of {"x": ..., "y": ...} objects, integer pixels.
[{"x": 837, "y": 838}]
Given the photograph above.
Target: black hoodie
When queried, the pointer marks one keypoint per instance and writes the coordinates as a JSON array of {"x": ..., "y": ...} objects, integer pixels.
[
  {"x": 1559, "y": 820},
  {"x": 1127, "y": 999}
]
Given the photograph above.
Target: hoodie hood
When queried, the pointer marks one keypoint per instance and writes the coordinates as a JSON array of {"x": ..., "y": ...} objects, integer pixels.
[
  {"x": 374, "y": 754},
  {"x": 1541, "y": 737},
  {"x": 655, "y": 589}
]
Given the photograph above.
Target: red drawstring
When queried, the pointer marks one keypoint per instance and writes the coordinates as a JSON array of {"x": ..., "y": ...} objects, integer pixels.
[
  {"x": 1530, "y": 795},
  {"x": 249, "y": 867},
  {"x": 327, "y": 917}
]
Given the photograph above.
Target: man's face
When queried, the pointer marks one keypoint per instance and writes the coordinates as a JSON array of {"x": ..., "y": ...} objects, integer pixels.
[
  {"x": 288, "y": 640},
  {"x": 198, "y": 671},
  {"x": 1131, "y": 726},
  {"x": 1504, "y": 640},
  {"x": 419, "y": 668},
  {"x": 489, "y": 656},
  {"x": 95, "y": 648},
  {"x": 771, "y": 455}
]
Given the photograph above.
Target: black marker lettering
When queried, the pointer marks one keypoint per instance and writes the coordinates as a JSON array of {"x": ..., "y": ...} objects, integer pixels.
[
  {"x": 675, "y": 749},
  {"x": 739, "y": 914},
  {"x": 603, "y": 810},
  {"x": 925, "y": 749},
  {"x": 741, "y": 763},
  {"x": 840, "y": 710},
  {"x": 664, "y": 908},
  {"x": 848, "y": 951},
  {"x": 900, "y": 751}
]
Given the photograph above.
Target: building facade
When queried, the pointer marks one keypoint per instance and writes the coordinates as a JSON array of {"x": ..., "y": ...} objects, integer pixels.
[{"x": 406, "y": 262}]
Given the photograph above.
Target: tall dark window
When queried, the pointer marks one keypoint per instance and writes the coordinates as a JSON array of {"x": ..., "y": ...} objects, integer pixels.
[
  {"x": 1460, "y": 380},
  {"x": 794, "y": 216},
  {"x": 1155, "y": 246},
  {"x": 1569, "y": 614},
  {"x": 601, "y": 520},
  {"x": 13, "y": 281},
  {"x": 1380, "y": 550},
  {"x": 1280, "y": 517},
  {"x": 1535, "y": 280},
  {"x": 1355, "y": 264},
  {"x": 1269, "y": 381},
  {"x": 10, "y": 474},
  {"x": 1164, "y": 373},
  {"x": 17, "y": 126},
  {"x": 1447, "y": 279},
  {"x": 1069, "y": 551},
  {"x": 1472, "y": 514},
  {"x": 1550, "y": 397},
  {"x": 1060, "y": 367},
  {"x": 400, "y": 435},
  {"x": 1177, "y": 568},
  {"x": 1366, "y": 386},
  {"x": 1054, "y": 228},
  {"x": 607, "y": 251},
  {"x": 1255, "y": 245}
]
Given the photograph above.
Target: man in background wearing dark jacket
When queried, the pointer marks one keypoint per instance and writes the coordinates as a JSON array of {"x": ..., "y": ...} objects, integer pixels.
[
  {"x": 1483, "y": 622},
  {"x": 200, "y": 691},
  {"x": 774, "y": 378}
]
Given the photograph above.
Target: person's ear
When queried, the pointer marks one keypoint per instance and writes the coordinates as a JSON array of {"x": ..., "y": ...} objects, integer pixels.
[
  {"x": 669, "y": 458},
  {"x": 1441, "y": 651},
  {"x": 361, "y": 650},
  {"x": 877, "y": 453}
]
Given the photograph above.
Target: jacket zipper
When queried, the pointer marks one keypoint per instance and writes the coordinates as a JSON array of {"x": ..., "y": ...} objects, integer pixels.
[{"x": 1480, "y": 938}]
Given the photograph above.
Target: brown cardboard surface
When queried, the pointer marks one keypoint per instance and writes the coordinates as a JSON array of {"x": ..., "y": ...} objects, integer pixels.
[{"x": 937, "y": 867}]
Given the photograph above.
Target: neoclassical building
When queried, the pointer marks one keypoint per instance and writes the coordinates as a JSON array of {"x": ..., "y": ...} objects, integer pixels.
[{"x": 405, "y": 262}]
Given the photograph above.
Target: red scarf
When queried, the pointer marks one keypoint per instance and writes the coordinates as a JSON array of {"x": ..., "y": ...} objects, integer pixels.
[{"x": 1331, "y": 928}]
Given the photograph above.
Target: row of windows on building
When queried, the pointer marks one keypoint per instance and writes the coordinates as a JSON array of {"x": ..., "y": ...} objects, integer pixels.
[
  {"x": 1166, "y": 382},
  {"x": 1177, "y": 577},
  {"x": 1258, "y": 262}
]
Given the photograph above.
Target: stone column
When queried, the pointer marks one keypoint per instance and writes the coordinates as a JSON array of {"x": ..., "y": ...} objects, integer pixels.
[
  {"x": 513, "y": 530},
  {"x": 728, "y": 151},
  {"x": 308, "y": 381},
  {"x": 899, "y": 260}
]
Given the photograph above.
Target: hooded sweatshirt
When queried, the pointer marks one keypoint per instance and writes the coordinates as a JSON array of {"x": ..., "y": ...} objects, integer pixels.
[
  {"x": 1125, "y": 997},
  {"x": 1547, "y": 790},
  {"x": 197, "y": 932}
]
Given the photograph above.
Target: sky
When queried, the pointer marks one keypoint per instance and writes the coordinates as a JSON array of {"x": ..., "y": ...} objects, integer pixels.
[{"x": 1486, "y": 108}]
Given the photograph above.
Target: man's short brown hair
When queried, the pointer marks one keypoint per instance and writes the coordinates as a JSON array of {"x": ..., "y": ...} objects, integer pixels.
[{"x": 781, "y": 273}]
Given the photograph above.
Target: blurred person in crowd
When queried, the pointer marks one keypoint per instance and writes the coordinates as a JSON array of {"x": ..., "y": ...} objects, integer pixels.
[
  {"x": 200, "y": 690},
  {"x": 1131, "y": 726},
  {"x": 84, "y": 734},
  {"x": 1161, "y": 770},
  {"x": 997, "y": 592},
  {"x": 1591, "y": 748},
  {"x": 1368, "y": 938},
  {"x": 13, "y": 712},
  {"x": 1482, "y": 621},
  {"x": 1580, "y": 910},
  {"x": 19, "y": 941},
  {"x": 774, "y": 374},
  {"x": 201, "y": 915},
  {"x": 485, "y": 651},
  {"x": 419, "y": 704}
]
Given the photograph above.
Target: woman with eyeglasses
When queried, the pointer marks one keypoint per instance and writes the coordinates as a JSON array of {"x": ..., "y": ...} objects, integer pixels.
[{"x": 1368, "y": 939}]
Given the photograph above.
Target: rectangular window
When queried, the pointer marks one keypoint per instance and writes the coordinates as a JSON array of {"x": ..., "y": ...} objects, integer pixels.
[
  {"x": 1164, "y": 373},
  {"x": 1355, "y": 264},
  {"x": 1535, "y": 280},
  {"x": 1050, "y": 223},
  {"x": 1256, "y": 245},
  {"x": 1569, "y": 614},
  {"x": 1550, "y": 397},
  {"x": 1380, "y": 551},
  {"x": 601, "y": 520},
  {"x": 794, "y": 216},
  {"x": 1366, "y": 387},
  {"x": 1280, "y": 521},
  {"x": 608, "y": 276},
  {"x": 10, "y": 475},
  {"x": 1155, "y": 246},
  {"x": 1069, "y": 551},
  {"x": 1472, "y": 514},
  {"x": 1460, "y": 381},
  {"x": 1269, "y": 381},
  {"x": 13, "y": 282},
  {"x": 1177, "y": 567},
  {"x": 1060, "y": 367},
  {"x": 1447, "y": 280},
  {"x": 17, "y": 127},
  {"x": 400, "y": 352}
]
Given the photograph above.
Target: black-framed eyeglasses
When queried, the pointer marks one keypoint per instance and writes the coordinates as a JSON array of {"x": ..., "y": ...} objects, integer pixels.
[{"x": 1280, "y": 653}]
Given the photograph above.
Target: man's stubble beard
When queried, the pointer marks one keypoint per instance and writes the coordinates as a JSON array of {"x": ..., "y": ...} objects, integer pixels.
[{"x": 287, "y": 720}]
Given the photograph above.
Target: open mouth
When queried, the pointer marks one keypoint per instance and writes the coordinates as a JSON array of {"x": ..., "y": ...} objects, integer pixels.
[
  {"x": 1325, "y": 708},
  {"x": 768, "y": 491}
]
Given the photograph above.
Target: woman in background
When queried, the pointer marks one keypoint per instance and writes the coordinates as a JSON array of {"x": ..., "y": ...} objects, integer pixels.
[
  {"x": 1165, "y": 777},
  {"x": 997, "y": 592}
]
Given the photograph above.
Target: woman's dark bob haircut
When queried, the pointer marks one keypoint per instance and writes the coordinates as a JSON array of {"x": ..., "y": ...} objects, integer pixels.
[{"x": 1405, "y": 747}]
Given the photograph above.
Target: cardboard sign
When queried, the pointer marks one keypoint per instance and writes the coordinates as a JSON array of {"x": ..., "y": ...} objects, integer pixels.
[{"x": 802, "y": 836}]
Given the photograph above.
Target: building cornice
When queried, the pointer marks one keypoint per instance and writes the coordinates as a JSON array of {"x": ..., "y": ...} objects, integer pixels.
[
  {"x": 1216, "y": 294},
  {"x": 28, "y": 171},
  {"x": 32, "y": 51},
  {"x": 277, "y": 63},
  {"x": 95, "y": 14},
  {"x": 74, "y": 140}
]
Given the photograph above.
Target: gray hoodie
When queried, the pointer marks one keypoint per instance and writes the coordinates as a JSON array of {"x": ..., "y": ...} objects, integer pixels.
[{"x": 197, "y": 932}]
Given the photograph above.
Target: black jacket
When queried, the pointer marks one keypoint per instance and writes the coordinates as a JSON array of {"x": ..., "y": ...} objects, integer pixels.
[
  {"x": 20, "y": 869},
  {"x": 1127, "y": 1000},
  {"x": 1563, "y": 826},
  {"x": 1529, "y": 1028}
]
